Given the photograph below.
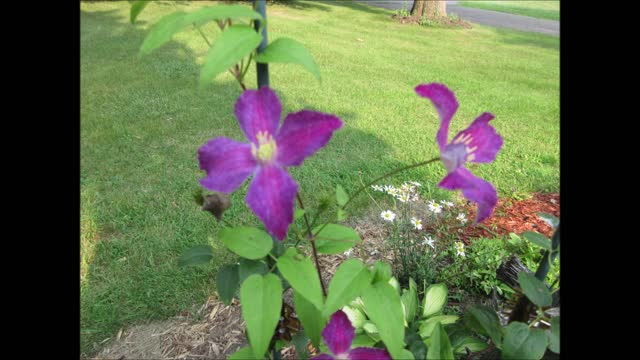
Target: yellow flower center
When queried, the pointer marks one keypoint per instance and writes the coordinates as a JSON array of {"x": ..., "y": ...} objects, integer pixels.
[{"x": 266, "y": 149}]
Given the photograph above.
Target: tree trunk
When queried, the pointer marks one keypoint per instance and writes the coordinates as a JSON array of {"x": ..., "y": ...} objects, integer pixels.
[{"x": 431, "y": 9}]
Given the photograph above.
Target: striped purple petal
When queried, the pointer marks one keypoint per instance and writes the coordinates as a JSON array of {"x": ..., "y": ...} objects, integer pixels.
[
  {"x": 323, "y": 356},
  {"x": 481, "y": 140},
  {"x": 338, "y": 334},
  {"x": 445, "y": 102},
  {"x": 271, "y": 197},
  {"x": 302, "y": 134},
  {"x": 227, "y": 163},
  {"x": 474, "y": 189},
  {"x": 258, "y": 111}
]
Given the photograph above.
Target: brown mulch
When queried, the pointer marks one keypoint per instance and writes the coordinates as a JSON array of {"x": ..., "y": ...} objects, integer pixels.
[
  {"x": 515, "y": 216},
  {"x": 441, "y": 21}
]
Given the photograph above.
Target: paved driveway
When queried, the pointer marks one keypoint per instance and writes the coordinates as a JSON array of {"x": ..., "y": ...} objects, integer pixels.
[{"x": 484, "y": 17}]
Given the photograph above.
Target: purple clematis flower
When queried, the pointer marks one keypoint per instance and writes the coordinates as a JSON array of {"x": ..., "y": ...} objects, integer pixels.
[
  {"x": 478, "y": 143},
  {"x": 339, "y": 334},
  {"x": 270, "y": 150}
]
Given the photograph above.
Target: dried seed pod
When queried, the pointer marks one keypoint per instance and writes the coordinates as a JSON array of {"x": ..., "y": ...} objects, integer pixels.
[{"x": 216, "y": 204}]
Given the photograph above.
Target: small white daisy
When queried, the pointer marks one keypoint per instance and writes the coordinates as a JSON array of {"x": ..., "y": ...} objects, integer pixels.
[
  {"x": 428, "y": 240},
  {"x": 415, "y": 183},
  {"x": 417, "y": 223},
  {"x": 403, "y": 198},
  {"x": 460, "y": 249},
  {"x": 435, "y": 207},
  {"x": 449, "y": 204},
  {"x": 388, "y": 215},
  {"x": 462, "y": 218},
  {"x": 377, "y": 187}
]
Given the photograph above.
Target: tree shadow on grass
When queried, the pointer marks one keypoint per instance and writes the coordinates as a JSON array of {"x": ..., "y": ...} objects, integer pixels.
[{"x": 357, "y": 6}]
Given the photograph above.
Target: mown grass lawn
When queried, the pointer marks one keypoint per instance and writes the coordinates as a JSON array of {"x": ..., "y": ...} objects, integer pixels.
[
  {"x": 143, "y": 119},
  {"x": 542, "y": 9}
]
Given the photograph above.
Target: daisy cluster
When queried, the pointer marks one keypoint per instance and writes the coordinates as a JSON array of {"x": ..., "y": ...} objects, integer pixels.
[{"x": 405, "y": 193}]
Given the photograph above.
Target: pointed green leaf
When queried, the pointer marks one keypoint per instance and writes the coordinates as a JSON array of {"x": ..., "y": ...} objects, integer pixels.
[
  {"x": 285, "y": 50},
  {"x": 227, "y": 282},
  {"x": 341, "y": 195},
  {"x": 537, "y": 239},
  {"x": 261, "y": 298},
  {"x": 356, "y": 316},
  {"x": 520, "y": 342},
  {"x": 385, "y": 310},
  {"x": 334, "y": 239},
  {"x": 554, "y": 335},
  {"x": 427, "y": 326},
  {"x": 350, "y": 279},
  {"x": 434, "y": 299},
  {"x": 197, "y": 255},
  {"x": 298, "y": 214},
  {"x": 310, "y": 317},
  {"x": 243, "y": 354},
  {"x": 440, "y": 347},
  {"x": 549, "y": 219},
  {"x": 302, "y": 275},
  {"x": 362, "y": 340},
  {"x": 469, "y": 342},
  {"x": 220, "y": 12},
  {"x": 248, "y": 242},
  {"x": 136, "y": 8},
  {"x": 381, "y": 271},
  {"x": 163, "y": 31},
  {"x": 410, "y": 301},
  {"x": 250, "y": 267},
  {"x": 371, "y": 330},
  {"x": 535, "y": 289},
  {"x": 230, "y": 47},
  {"x": 407, "y": 355},
  {"x": 484, "y": 321}
]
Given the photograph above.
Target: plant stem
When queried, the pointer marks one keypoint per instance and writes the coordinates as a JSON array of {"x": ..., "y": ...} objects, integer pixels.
[{"x": 313, "y": 244}]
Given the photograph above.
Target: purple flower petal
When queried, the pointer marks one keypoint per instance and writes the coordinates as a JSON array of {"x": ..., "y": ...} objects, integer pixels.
[
  {"x": 302, "y": 134},
  {"x": 339, "y": 333},
  {"x": 481, "y": 139},
  {"x": 365, "y": 353},
  {"x": 445, "y": 102},
  {"x": 227, "y": 163},
  {"x": 323, "y": 356},
  {"x": 258, "y": 111},
  {"x": 270, "y": 196},
  {"x": 474, "y": 189}
]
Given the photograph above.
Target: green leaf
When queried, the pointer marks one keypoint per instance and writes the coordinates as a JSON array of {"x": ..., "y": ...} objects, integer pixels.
[
  {"x": 243, "y": 354},
  {"x": 537, "y": 239},
  {"x": 227, "y": 282},
  {"x": 549, "y": 219},
  {"x": 286, "y": 50},
  {"x": 248, "y": 242},
  {"x": 440, "y": 347},
  {"x": 310, "y": 317},
  {"x": 520, "y": 342},
  {"x": 197, "y": 255},
  {"x": 409, "y": 299},
  {"x": 416, "y": 345},
  {"x": 535, "y": 289},
  {"x": 371, "y": 330},
  {"x": 395, "y": 284},
  {"x": 362, "y": 340},
  {"x": 341, "y": 195},
  {"x": 136, "y": 8},
  {"x": 298, "y": 214},
  {"x": 220, "y": 12},
  {"x": 356, "y": 316},
  {"x": 407, "y": 355},
  {"x": 230, "y": 47},
  {"x": 472, "y": 343},
  {"x": 341, "y": 214},
  {"x": 554, "y": 335},
  {"x": 261, "y": 298},
  {"x": 163, "y": 31},
  {"x": 350, "y": 279},
  {"x": 514, "y": 239},
  {"x": 250, "y": 267},
  {"x": 427, "y": 326},
  {"x": 381, "y": 271},
  {"x": 301, "y": 274},
  {"x": 385, "y": 310},
  {"x": 335, "y": 239},
  {"x": 173, "y": 23},
  {"x": 484, "y": 321},
  {"x": 434, "y": 299}
]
